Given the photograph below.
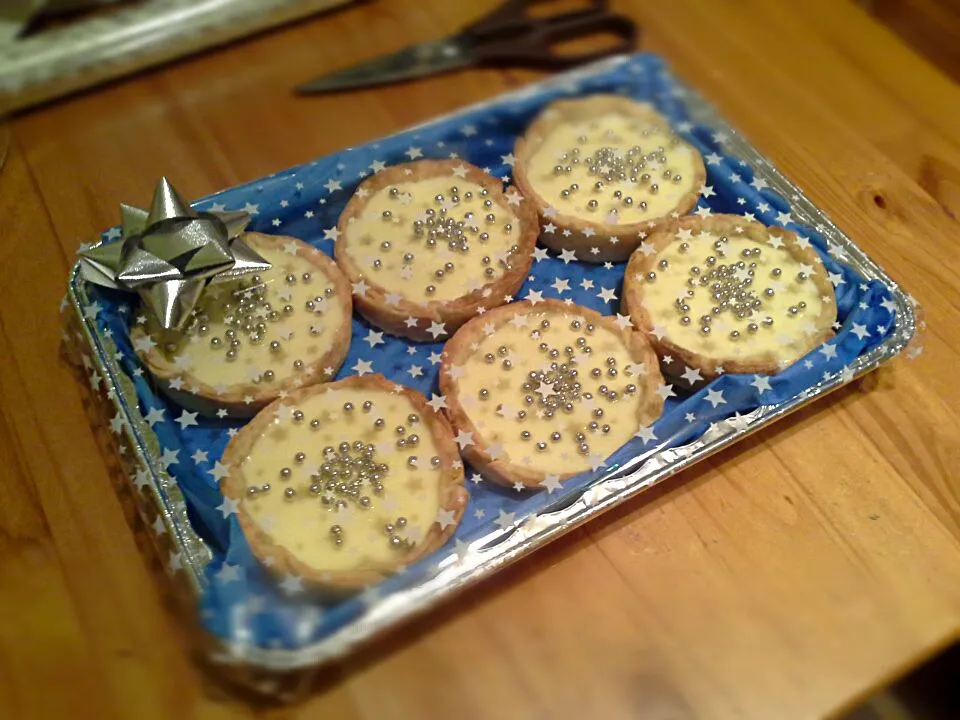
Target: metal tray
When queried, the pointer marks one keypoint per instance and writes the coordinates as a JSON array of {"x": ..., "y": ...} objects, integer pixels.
[{"x": 515, "y": 533}]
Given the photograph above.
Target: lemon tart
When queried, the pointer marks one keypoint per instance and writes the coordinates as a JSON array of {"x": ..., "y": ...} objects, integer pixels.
[
  {"x": 541, "y": 392},
  {"x": 603, "y": 169},
  {"x": 254, "y": 338},
  {"x": 428, "y": 244},
  {"x": 342, "y": 484},
  {"x": 726, "y": 294}
]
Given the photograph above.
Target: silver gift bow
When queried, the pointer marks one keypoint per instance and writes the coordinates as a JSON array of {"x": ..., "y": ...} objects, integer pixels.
[{"x": 169, "y": 254}]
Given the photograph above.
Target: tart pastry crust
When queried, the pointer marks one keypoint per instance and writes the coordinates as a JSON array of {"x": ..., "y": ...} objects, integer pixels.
[
  {"x": 594, "y": 137},
  {"x": 445, "y": 474},
  {"x": 390, "y": 290},
  {"x": 524, "y": 431},
  {"x": 206, "y": 391},
  {"x": 790, "y": 316}
]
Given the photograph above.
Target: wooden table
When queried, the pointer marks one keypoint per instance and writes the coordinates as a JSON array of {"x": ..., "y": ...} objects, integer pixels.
[{"x": 781, "y": 579}]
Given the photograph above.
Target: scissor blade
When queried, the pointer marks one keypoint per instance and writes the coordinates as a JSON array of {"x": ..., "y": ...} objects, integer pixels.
[{"x": 416, "y": 61}]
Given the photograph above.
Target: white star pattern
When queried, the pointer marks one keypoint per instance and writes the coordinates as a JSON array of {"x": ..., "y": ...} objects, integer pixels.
[
  {"x": 495, "y": 451},
  {"x": 551, "y": 483},
  {"x": 691, "y": 375},
  {"x": 219, "y": 471},
  {"x": 362, "y": 367},
  {"x": 445, "y": 518},
  {"x": 292, "y": 585},
  {"x": 168, "y": 457},
  {"x": 595, "y": 461},
  {"x": 229, "y": 573},
  {"x": 144, "y": 344},
  {"x": 461, "y": 548},
  {"x": 607, "y": 295},
  {"x": 360, "y": 288},
  {"x": 715, "y": 398},
  {"x": 504, "y": 520},
  {"x": 187, "y": 419},
  {"x": 666, "y": 391},
  {"x": 229, "y": 507},
  {"x": 646, "y": 434}
]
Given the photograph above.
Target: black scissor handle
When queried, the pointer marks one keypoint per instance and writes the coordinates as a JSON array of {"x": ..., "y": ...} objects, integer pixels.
[
  {"x": 536, "y": 46},
  {"x": 512, "y": 17}
]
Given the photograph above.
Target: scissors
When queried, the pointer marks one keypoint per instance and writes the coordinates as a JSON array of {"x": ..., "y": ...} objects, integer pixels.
[{"x": 507, "y": 37}]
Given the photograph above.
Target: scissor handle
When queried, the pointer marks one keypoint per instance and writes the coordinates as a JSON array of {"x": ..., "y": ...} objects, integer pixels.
[
  {"x": 534, "y": 45},
  {"x": 512, "y": 16}
]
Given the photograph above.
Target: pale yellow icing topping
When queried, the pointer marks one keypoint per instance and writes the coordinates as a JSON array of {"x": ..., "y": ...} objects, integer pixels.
[
  {"x": 769, "y": 328},
  {"x": 302, "y": 333},
  {"x": 303, "y": 523},
  {"x": 664, "y": 169},
  {"x": 493, "y": 395},
  {"x": 390, "y": 253}
]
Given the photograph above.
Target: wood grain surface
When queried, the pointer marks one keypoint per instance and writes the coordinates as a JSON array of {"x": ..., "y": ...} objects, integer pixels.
[{"x": 784, "y": 578}]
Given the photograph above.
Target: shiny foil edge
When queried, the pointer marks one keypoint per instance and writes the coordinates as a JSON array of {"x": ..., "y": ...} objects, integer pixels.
[
  {"x": 95, "y": 50},
  {"x": 502, "y": 547}
]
